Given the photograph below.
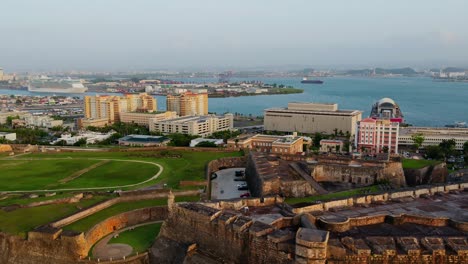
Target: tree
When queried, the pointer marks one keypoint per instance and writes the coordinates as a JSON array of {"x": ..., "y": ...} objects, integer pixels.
[
  {"x": 448, "y": 147},
  {"x": 465, "y": 148},
  {"x": 434, "y": 152},
  {"x": 206, "y": 144},
  {"x": 80, "y": 142},
  {"x": 418, "y": 140},
  {"x": 317, "y": 138}
]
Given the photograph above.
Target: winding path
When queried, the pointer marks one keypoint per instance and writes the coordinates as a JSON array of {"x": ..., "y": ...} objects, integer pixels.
[
  {"x": 161, "y": 169},
  {"x": 103, "y": 250}
]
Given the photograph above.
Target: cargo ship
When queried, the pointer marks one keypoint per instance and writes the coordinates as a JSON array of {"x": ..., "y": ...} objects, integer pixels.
[
  {"x": 49, "y": 85},
  {"x": 305, "y": 80}
]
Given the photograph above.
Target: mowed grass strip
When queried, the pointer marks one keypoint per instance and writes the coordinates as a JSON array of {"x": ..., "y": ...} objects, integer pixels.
[
  {"x": 331, "y": 196},
  {"x": 114, "y": 173},
  {"x": 20, "y": 221},
  {"x": 418, "y": 164},
  {"x": 140, "y": 238},
  {"x": 87, "y": 223},
  {"x": 37, "y": 174}
]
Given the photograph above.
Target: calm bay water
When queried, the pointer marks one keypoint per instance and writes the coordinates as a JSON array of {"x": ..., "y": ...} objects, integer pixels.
[{"x": 423, "y": 102}]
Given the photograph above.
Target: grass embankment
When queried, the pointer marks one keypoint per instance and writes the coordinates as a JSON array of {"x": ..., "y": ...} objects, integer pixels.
[
  {"x": 21, "y": 199},
  {"x": 418, "y": 164},
  {"x": 331, "y": 196},
  {"x": 140, "y": 238},
  {"x": 23, "y": 220},
  {"x": 86, "y": 223}
]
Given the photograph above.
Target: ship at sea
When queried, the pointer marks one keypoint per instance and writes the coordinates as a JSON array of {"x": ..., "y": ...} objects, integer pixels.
[
  {"x": 305, "y": 80},
  {"x": 50, "y": 85}
]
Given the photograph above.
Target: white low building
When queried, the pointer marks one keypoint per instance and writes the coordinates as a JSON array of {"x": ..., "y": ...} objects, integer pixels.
[
  {"x": 433, "y": 136},
  {"x": 8, "y": 136},
  {"x": 195, "y": 142},
  {"x": 42, "y": 121},
  {"x": 91, "y": 137}
]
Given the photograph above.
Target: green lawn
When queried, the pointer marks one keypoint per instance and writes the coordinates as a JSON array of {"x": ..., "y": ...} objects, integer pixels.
[
  {"x": 140, "y": 238},
  {"x": 23, "y": 220},
  {"x": 418, "y": 164},
  {"x": 190, "y": 166},
  {"x": 86, "y": 223},
  {"x": 46, "y": 174},
  {"x": 330, "y": 196}
]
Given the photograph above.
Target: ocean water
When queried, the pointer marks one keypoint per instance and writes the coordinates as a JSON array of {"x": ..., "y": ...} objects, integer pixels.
[{"x": 422, "y": 101}]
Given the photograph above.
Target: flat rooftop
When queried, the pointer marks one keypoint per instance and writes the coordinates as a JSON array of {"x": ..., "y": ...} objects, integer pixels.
[
  {"x": 315, "y": 112},
  {"x": 185, "y": 119},
  {"x": 143, "y": 139},
  {"x": 435, "y": 131}
]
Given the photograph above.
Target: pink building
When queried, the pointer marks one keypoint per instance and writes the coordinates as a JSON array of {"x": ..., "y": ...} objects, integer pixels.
[{"x": 377, "y": 136}]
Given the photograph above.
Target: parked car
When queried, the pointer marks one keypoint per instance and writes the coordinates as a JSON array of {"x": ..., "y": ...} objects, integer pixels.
[
  {"x": 214, "y": 176},
  {"x": 245, "y": 195},
  {"x": 242, "y": 188},
  {"x": 239, "y": 179},
  {"x": 240, "y": 173},
  {"x": 242, "y": 184}
]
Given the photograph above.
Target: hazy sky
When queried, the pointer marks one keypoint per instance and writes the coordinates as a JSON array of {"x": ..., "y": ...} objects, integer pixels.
[{"x": 204, "y": 34}]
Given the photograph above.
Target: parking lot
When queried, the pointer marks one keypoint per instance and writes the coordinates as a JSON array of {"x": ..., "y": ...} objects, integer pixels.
[{"x": 224, "y": 186}]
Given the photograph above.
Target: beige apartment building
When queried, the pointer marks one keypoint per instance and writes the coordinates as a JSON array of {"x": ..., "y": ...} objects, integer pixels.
[
  {"x": 433, "y": 136},
  {"x": 188, "y": 103},
  {"x": 4, "y": 115},
  {"x": 311, "y": 118},
  {"x": 87, "y": 122},
  {"x": 268, "y": 143},
  {"x": 110, "y": 107},
  {"x": 144, "y": 118},
  {"x": 193, "y": 125}
]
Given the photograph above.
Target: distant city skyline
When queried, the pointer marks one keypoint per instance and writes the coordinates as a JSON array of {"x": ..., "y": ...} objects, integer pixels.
[{"x": 53, "y": 35}]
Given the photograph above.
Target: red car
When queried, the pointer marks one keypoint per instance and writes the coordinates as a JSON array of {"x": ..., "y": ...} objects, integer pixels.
[{"x": 245, "y": 195}]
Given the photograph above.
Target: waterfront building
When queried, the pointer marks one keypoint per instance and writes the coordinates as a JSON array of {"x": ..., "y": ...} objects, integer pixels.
[
  {"x": 433, "y": 136},
  {"x": 290, "y": 144},
  {"x": 377, "y": 136},
  {"x": 333, "y": 146},
  {"x": 386, "y": 108},
  {"x": 143, "y": 118},
  {"x": 143, "y": 141},
  {"x": 8, "y": 136},
  {"x": 311, "y": 118},
  {"x": 193, "y": 125},
  {"x": 188, "y": 103}
]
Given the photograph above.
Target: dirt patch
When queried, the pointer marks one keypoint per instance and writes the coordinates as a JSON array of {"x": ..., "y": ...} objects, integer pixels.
[{"x": 83, "y": 171}]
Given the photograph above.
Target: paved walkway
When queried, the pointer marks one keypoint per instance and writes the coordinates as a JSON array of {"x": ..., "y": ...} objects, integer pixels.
[
  {"x": 161, "y": 169},
  {"x": 104, "y": 251}
]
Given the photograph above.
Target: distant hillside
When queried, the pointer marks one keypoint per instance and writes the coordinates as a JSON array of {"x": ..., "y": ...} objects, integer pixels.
[
  {"x": 402, "y": 71},
  {"x": 454, "y": 69}
]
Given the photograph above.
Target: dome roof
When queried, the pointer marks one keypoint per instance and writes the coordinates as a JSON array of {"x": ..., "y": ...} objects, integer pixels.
[{"x": 386, "y": 100}]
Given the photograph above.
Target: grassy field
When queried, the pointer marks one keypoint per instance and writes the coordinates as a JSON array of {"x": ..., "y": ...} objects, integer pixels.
[
  {"x": 48, "y": 174},
  {"x": 86, "y": 223},
  {"x": 140, "y": 238},
  {"x": 23, "y": 220},
  {"x": 330, "y": 196},
  {"x": 418, "y": 164},
  {"x": 50, "y": 170}
]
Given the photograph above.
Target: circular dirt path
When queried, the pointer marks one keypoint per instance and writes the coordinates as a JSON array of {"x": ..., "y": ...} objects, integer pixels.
[
  {"x": 104, "y": 251},
  {"x": 161, "y": 169}
]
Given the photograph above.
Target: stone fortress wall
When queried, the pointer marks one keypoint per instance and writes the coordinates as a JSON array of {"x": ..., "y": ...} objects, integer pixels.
[
  {"x": 51, "y": 244},
  {"x": 300, "y": 238}
]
